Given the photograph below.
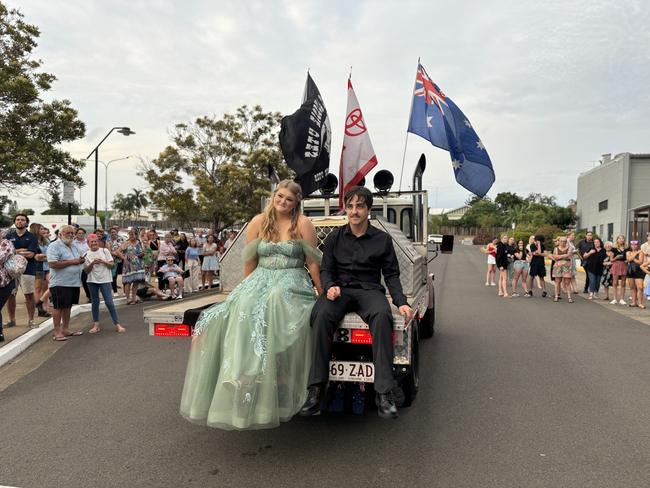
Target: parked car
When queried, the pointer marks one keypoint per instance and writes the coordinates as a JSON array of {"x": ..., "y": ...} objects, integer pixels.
[{"x": 434, "y": 238}]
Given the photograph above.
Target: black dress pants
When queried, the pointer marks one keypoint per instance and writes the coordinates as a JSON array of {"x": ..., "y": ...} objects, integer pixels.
[{"x": 372, "y": 306}]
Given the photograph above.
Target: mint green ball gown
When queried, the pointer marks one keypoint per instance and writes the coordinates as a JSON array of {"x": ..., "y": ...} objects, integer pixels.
[{"x": 250, "y": 355}]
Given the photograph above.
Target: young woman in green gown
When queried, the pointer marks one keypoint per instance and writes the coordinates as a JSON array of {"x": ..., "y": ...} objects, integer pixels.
[{"x": 250, "y": 355}]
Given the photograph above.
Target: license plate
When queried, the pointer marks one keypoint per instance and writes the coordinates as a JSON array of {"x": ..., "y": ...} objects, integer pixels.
[{"x": 352, "y": 371}]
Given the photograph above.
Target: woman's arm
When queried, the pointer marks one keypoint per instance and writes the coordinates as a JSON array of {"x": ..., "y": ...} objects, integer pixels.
[
  {"x": 308, "y": 232},
  {"x": 120, "y": 252},
  {"x": 252, "y": 233}
]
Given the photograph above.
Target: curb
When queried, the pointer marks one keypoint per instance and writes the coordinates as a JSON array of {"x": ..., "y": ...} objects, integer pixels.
[{"x": 20, "y": 344}]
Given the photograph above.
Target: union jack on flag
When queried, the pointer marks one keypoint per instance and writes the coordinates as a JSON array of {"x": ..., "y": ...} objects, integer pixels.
[
  {"x": 436, "y": 118},
  {"x": 428, "y": 89}
]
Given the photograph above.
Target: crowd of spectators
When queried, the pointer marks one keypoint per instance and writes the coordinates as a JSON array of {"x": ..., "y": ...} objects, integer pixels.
[
  {"x": 59, "y": 266},
  {"x": 609, "y": 267}
]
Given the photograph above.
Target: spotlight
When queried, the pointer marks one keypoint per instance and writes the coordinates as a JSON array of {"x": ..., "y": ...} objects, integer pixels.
[
  {"x": 330, "y": 185},
  {"x": 383, "y": 180}
]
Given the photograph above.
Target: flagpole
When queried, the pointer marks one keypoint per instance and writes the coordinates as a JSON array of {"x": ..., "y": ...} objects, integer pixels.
[{"x": 406, "y": 139}]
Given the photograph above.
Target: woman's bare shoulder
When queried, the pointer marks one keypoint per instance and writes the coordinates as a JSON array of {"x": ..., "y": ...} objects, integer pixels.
[
  {"x": 255, "y": 227},
  {"x": 257, "y": 220},
  {"x": 305, "y": 226}
]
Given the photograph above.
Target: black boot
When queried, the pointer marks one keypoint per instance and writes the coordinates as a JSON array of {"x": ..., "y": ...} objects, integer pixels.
[
  {"x": 386, "y": 407},
  {"x": 313, "y": 403},
  {"x": 2, "y": 336}
]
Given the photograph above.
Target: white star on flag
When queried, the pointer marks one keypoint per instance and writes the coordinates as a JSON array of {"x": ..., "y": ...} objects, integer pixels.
[
  {"x": 468, "y": 124},
  {"x": 456, "y": 164},
  {"x": 480, "y": 145},
  {"x": 429, "y": 121}
]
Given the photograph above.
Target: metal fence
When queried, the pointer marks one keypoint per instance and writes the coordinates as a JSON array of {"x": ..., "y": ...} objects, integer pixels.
[{"x": 472, "y": 231}]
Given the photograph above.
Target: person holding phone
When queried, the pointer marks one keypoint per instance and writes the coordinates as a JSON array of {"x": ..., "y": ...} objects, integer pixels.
[
  {"x": 98, "y": 266},
  {"x": 65, "y": 280}
]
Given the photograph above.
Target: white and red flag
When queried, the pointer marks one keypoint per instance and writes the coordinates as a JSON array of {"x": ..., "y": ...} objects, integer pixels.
[{"x": 357, "y": 157}]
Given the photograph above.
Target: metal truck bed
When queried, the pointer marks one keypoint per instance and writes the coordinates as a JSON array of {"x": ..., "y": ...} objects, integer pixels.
[{"x": 167, "y": 317}]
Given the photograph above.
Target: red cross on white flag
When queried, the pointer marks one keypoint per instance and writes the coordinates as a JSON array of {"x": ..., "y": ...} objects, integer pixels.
[{"x": 357, "y": 157}]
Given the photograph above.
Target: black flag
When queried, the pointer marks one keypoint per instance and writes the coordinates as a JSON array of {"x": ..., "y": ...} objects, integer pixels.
[{"x": 305, "y": 139}]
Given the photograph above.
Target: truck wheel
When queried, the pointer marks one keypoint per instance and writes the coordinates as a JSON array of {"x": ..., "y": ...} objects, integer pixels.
[{"x": 411, "y": 382}]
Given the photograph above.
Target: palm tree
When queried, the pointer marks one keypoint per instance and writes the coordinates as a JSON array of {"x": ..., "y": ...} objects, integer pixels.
[
  {"x": 124, "y": 205},
  {"x": 138, "y": 200}
]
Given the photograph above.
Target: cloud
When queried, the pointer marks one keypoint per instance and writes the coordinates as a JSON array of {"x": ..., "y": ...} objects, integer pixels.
[{"x": 549, "y": 86}]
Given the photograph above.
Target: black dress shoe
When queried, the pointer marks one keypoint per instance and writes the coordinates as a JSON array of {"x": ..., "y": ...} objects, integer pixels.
[
  {"x": 312, "y": 405},
  {"x": 386, "y": 406}
]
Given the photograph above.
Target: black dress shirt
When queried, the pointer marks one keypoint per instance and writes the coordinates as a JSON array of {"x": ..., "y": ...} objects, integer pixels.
[{"x": 359, "y": 262}]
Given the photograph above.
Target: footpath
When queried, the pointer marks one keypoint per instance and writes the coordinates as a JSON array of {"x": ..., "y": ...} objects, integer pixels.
[
  {"x": 635, "y": 313},
  {"x": 21, "y": 337}
]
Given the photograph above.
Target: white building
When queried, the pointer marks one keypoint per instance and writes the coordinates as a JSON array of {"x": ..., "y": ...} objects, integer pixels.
[
  {"x": 614, "y": 197},
  {"x": 451, "y": 213}
]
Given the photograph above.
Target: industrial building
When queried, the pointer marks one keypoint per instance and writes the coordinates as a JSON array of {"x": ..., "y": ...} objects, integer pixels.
[{"x": 614, "y": 197}]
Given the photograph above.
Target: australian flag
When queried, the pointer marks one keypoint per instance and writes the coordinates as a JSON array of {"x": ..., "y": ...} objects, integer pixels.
[{"x": 437, "y": 119}]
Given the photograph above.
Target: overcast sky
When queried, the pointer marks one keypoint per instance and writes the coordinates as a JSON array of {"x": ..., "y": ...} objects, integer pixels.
[{"x": 549, "y": 86}]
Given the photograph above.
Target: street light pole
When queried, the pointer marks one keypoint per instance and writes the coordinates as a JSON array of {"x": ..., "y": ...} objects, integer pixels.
[
  {"x": 106, "y": 165},
  {"x": 122, "y": 130}
]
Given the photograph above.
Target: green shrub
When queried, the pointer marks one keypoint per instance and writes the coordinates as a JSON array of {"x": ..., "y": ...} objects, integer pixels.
[{"x": 483, "y": 237}]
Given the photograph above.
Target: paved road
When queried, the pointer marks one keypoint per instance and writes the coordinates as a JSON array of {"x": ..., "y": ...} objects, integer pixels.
[{"x": 514, "y": 393}]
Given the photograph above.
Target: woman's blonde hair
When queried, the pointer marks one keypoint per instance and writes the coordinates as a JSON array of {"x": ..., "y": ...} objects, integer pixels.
[{"x": 269, "y": 227}]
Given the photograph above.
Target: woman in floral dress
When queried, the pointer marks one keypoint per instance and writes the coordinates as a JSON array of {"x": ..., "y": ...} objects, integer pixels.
[
  {"x": 562, "y": 269},
  {"x": 131, "y": 253}
]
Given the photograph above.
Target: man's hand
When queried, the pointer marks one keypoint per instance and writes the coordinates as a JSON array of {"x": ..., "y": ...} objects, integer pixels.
[
  {"x": 81, "y": 260},
  {"x": 333, "y": 293},
  {"x": 407, "y": 313}
]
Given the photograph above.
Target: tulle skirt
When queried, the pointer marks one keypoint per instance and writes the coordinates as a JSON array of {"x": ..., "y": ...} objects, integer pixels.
[{"x": 249, "y": 364}]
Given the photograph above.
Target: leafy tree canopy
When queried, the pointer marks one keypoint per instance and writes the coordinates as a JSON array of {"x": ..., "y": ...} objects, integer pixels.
[
  {"x": 534, "y": 211},
  {"x": 226, "y": 159},
  {"x": 130, "y": 205},
  {"x": 56, "y": 207},
  {"x": 30, "y": 128}
]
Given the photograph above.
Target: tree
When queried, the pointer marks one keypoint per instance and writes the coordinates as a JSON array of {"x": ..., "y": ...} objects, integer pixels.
[
  {"x": 56, "y": 207},
  {"x": 472, "y": 199},
  {"x": 123, "y": 205},
  {"x": 31, "y": 129},
  {"x": 138, "y": 199},
  {"x": 27, "y": 211},
  {"x": 131, "y": 204},
  {"x": 227, "y": 161},
  {"x": 541, "y": 199},
  {"x": 507, "y": 200},
  {"x": 481, "y": 214},
  {"x": 5, "y": 219}
]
